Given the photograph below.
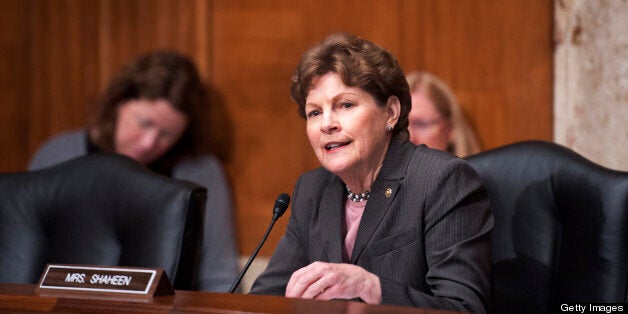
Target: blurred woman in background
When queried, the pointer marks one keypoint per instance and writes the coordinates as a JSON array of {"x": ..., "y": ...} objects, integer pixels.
[
  {"x": 436, "y": 119},
  {"x": 154, "y": 112}
]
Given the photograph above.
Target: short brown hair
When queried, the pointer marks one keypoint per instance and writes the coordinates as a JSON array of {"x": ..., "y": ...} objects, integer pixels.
[{"x": 359, "y": 63}]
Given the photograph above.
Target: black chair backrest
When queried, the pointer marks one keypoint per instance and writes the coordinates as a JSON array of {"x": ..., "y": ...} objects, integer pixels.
[
  {"x": 101, "y": 209},
  {"x": 561, "y": 227}
]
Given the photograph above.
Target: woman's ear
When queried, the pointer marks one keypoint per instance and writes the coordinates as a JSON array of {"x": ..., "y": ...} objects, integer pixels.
[{"x": 393, "y": 109}]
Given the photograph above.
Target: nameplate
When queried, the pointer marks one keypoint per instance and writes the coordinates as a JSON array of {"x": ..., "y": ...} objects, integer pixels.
[{"x": 103, "y": 281}]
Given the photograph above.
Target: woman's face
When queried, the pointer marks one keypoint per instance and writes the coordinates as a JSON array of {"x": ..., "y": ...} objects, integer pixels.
[
  {"x": 426, "y": 125},
  {"x": 147, "y": 129},
  {"x": 346, "y": 127}
]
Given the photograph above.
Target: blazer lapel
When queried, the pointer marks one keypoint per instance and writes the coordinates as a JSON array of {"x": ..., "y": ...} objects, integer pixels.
[
  {"x": 331, "y": 217},
  {"x": 376, "y": 208},
  {"x": 383, "y": 192}
]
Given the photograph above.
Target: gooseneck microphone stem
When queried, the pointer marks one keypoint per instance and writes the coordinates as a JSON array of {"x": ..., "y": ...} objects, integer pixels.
[
  {"x": 248, "y": 263},
  {"x": 281, "y": 204}
]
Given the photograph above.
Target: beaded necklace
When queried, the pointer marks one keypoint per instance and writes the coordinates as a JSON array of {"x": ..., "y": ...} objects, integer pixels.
[{"x": 357, "y": 197}]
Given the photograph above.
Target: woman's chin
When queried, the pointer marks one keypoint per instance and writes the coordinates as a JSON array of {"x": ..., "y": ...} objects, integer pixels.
[{"x": 337, "y": 167}]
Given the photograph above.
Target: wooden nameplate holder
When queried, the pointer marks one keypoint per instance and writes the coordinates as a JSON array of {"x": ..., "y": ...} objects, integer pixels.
[{"x": 103, "y": 282}]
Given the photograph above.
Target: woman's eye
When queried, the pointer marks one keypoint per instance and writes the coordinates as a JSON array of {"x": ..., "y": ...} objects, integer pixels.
[
  {"x": 166, "y": 135},
  {"x": 346, "y": 105},
  {"x": 144, "y": 123},
  {"x": 313, "y": 113}
]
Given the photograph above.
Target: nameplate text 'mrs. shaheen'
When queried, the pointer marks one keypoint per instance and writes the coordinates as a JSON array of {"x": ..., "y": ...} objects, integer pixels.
[{"x": 99, "y": 281}]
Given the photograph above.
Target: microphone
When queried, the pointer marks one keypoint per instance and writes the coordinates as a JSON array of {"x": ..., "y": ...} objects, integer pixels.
[{"x": 281, "y": 204}]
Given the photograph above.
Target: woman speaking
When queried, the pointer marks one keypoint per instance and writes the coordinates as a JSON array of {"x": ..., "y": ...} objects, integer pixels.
[{"x": 383, "y": 221}]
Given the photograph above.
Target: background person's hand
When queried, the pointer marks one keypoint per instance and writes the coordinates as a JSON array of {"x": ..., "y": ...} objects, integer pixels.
[{"x": 326, "y": 281}]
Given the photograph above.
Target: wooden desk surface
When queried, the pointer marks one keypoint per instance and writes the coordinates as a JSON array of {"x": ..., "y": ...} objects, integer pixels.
[{"x": 22, "y": 298}]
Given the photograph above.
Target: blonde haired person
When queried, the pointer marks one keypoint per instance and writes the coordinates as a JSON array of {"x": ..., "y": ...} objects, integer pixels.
[{"x": 436, "y": 119}]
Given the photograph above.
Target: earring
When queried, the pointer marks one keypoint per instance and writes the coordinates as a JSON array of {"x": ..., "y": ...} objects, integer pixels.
[{"x": 389, "y": 129}]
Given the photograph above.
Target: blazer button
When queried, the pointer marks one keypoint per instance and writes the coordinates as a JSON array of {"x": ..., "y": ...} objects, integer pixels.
[{"x": 388, "y": 192}]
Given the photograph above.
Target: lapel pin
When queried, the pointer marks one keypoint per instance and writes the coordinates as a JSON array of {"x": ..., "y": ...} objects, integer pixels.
[{"x": 388, "y": 192}]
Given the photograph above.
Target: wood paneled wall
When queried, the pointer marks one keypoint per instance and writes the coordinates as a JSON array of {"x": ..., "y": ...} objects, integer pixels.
[{"x": 58, "y": 54}]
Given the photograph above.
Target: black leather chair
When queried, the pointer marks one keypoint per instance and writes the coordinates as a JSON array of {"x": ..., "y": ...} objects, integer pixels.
[
  {"x": 101, "y": 209},
  {"x": 561, "y": 227}
]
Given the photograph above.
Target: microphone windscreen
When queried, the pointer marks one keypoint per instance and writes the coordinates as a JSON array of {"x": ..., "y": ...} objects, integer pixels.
[{"x": 281, "y": 204}]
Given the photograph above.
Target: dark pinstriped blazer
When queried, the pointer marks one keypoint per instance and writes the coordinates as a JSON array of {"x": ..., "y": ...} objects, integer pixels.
[{"x": 428, "y": 240}]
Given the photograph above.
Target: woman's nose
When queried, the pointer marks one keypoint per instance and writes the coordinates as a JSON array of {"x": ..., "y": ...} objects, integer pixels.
[
  {"x": 329, "y": 123},
  {"x": 149, "y": 140}
]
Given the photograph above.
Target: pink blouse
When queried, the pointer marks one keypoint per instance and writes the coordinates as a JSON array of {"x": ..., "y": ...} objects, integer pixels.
[{"x": 353, "y": 215}]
